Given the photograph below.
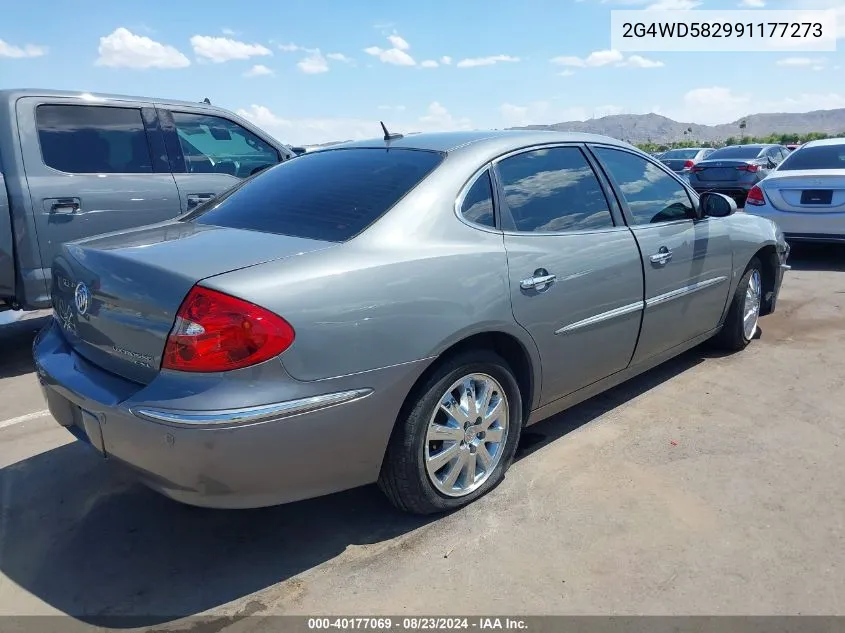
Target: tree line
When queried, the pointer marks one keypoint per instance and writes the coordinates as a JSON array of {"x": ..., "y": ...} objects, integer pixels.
[{"x": 782, "y": 139}]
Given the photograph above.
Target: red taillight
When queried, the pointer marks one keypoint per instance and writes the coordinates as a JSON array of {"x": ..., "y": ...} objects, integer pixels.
[
  {"x": 688, "y": 164},
  {"x": 696, "y": 168},
  {"x": 755, "y": 197},
  {"x": 217, "y": 332},
  {"x": 750, "y": 167}
]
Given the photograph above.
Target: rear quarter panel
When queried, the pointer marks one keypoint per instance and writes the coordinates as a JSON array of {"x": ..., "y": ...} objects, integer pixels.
[{"x": 408, "y": 288}]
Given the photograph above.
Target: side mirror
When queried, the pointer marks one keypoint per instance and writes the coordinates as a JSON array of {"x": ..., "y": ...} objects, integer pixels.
[
  {"x": 299, "y": 151},
  {"x": 716, "y": 205}
]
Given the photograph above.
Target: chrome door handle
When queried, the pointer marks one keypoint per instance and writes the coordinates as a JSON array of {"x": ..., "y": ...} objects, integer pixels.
[
  {"x": 537, "y": 283},
  {"x": 196, "y": 199},
  {"x": 662, "y": 256}
]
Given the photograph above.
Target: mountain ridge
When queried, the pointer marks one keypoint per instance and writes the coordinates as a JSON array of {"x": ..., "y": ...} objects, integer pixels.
[{"x": 656, "y": 128}]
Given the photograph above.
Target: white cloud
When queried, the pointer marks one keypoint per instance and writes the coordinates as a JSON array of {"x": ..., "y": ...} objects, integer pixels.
[
  {"x": 638, "y": 61},
  {"x": 229, "y": 32},
  {"x": 123, "y": 49},
  {"x": 17, "y": 52},
  {"x": 801, "y": 62},
  {"x": 752, "y": 4},
  {"x": 397, "y": 55},
  {"x": 673, "y": 5},
  {"x": 258, "y": 70},
  {"x": 224, "y": 49},
  {"x": 398, "y": 42},
  {"x": 314, "y": 64},
  {"x": 340, "y": 57},
  {"x": 392, "y": 56},
  {"x": 566, "y": 73},
  {"x": 289, "y": 48},
  {"x": 598, "y": 59},
  {"x": 718, "y": 104},
  {"x": 603, "y": 58},
  {"x": 316, "y": 130},
  {"x": 472, "y": 62},
  {"x": 429, "y": 63},
  {"x": 446, "y": 60}
]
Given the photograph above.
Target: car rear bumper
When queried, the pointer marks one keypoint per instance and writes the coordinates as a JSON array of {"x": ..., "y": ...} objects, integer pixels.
[
  {"x": 330, "y": 437},
  {"x": 737, "y": 191},
  {"x": 804, "y": 226}
]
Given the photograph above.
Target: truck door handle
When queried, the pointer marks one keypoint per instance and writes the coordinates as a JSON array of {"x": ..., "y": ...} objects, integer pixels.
[
  {"x": 661, "y": 257},
  {"x": 196, "y": 199},
  {"x": 539, "y": 281},
  {"x": 65, "y": 206}
]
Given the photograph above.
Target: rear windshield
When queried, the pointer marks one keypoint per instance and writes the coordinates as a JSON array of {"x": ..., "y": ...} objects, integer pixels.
[
  {"x": 680, "y": 153},
  {"x": 740, "y": 151},
  {"x": 821, "y": 157},
  {"x": 329, "y": 195}
]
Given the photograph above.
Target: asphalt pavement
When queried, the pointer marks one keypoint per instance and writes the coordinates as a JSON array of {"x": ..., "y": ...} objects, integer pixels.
[{"x": 710, "y": 485}]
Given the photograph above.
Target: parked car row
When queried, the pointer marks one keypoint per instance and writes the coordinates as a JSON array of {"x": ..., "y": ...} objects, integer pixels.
[
  {"x": 805, "y": 194},
  {"x": 735, "y": 169}
]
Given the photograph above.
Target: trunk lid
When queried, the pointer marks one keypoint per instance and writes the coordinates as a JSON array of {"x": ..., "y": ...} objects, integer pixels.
[
  {"x": 814, "y": 191},
  {"x": 726, "y": 170},
  {"x": 116, "y": 296}
]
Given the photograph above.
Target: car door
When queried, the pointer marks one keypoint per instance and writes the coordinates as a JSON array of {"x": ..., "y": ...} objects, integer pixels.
[
  {"x": 687, "y": 262},
  {"x": 575, "y": 271},
  {"x": 93, "y": 168},
  {"x": 211, "y": 153}
]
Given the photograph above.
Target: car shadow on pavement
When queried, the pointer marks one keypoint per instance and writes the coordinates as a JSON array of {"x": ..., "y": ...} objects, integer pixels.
[
  {"x": 817, "y": 257},
  {"x": 84, "y": 538},
  {"x": 16, "y": 345}
]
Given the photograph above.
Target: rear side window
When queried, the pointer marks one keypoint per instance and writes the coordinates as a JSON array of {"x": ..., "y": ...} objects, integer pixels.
[
  {"x": 93, "y": 139},
  {"x": 478, "y": 203},
  {"x": 329, "y": 195},
  {"x": 820, "y": 157},
  {"x": 553, "y": 190}
]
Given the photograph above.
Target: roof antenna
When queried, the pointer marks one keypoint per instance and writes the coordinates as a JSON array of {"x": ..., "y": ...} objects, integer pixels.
[
  {"x": 387, "y": 135},
  {"x": 206, "y": 100}
]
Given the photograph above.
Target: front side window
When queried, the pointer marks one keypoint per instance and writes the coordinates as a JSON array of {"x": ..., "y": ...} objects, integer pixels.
[
  {"x": 651, "y": 194},
  {"x": 477, "y": 206},
  {"x": 93, "y": 139},
  {"x": 327, "y": 195},
  {"x": 553, "y": 189},
  {"x": 214, "y": 145}
]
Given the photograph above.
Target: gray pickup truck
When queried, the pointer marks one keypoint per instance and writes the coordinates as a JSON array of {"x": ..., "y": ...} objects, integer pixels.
[{"x": 75, "y": 164}]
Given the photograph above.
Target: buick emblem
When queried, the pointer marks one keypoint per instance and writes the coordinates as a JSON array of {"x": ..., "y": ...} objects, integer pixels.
[{"x": 82, "y": 298}]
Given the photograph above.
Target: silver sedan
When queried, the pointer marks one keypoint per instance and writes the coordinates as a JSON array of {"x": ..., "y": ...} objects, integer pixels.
[{"x": 393, "y": 311}]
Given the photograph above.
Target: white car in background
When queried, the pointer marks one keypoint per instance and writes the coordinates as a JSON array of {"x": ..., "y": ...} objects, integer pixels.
[{"x": 805, "y": 194}]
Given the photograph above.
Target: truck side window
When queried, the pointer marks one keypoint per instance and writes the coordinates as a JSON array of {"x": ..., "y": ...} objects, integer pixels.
[
  {"x": 214, "y": 145},
  {"x": 93, "y": 139}
]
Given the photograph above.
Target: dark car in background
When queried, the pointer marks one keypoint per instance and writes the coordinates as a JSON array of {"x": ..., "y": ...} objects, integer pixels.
[
  {"x": 681, "y": 160},
  {"x": 735, "y": 169}
]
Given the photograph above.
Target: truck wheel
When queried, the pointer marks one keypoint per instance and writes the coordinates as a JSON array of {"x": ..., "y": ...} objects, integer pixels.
[{"x": 457, "y": 439}]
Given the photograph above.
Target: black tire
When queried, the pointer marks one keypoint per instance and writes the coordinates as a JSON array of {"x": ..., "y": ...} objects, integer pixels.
[
  {"x": 732, "y": 335},
  {"x": 403, "y": 477}
]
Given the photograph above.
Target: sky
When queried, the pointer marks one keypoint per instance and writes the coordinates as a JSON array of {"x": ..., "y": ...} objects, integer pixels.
[{"x": 326, "y": 70}]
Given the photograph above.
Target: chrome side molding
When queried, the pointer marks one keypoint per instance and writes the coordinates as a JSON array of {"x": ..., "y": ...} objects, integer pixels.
[
  {"x": 600, "y": 318},
  {"x": 248, "y": 415}
]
